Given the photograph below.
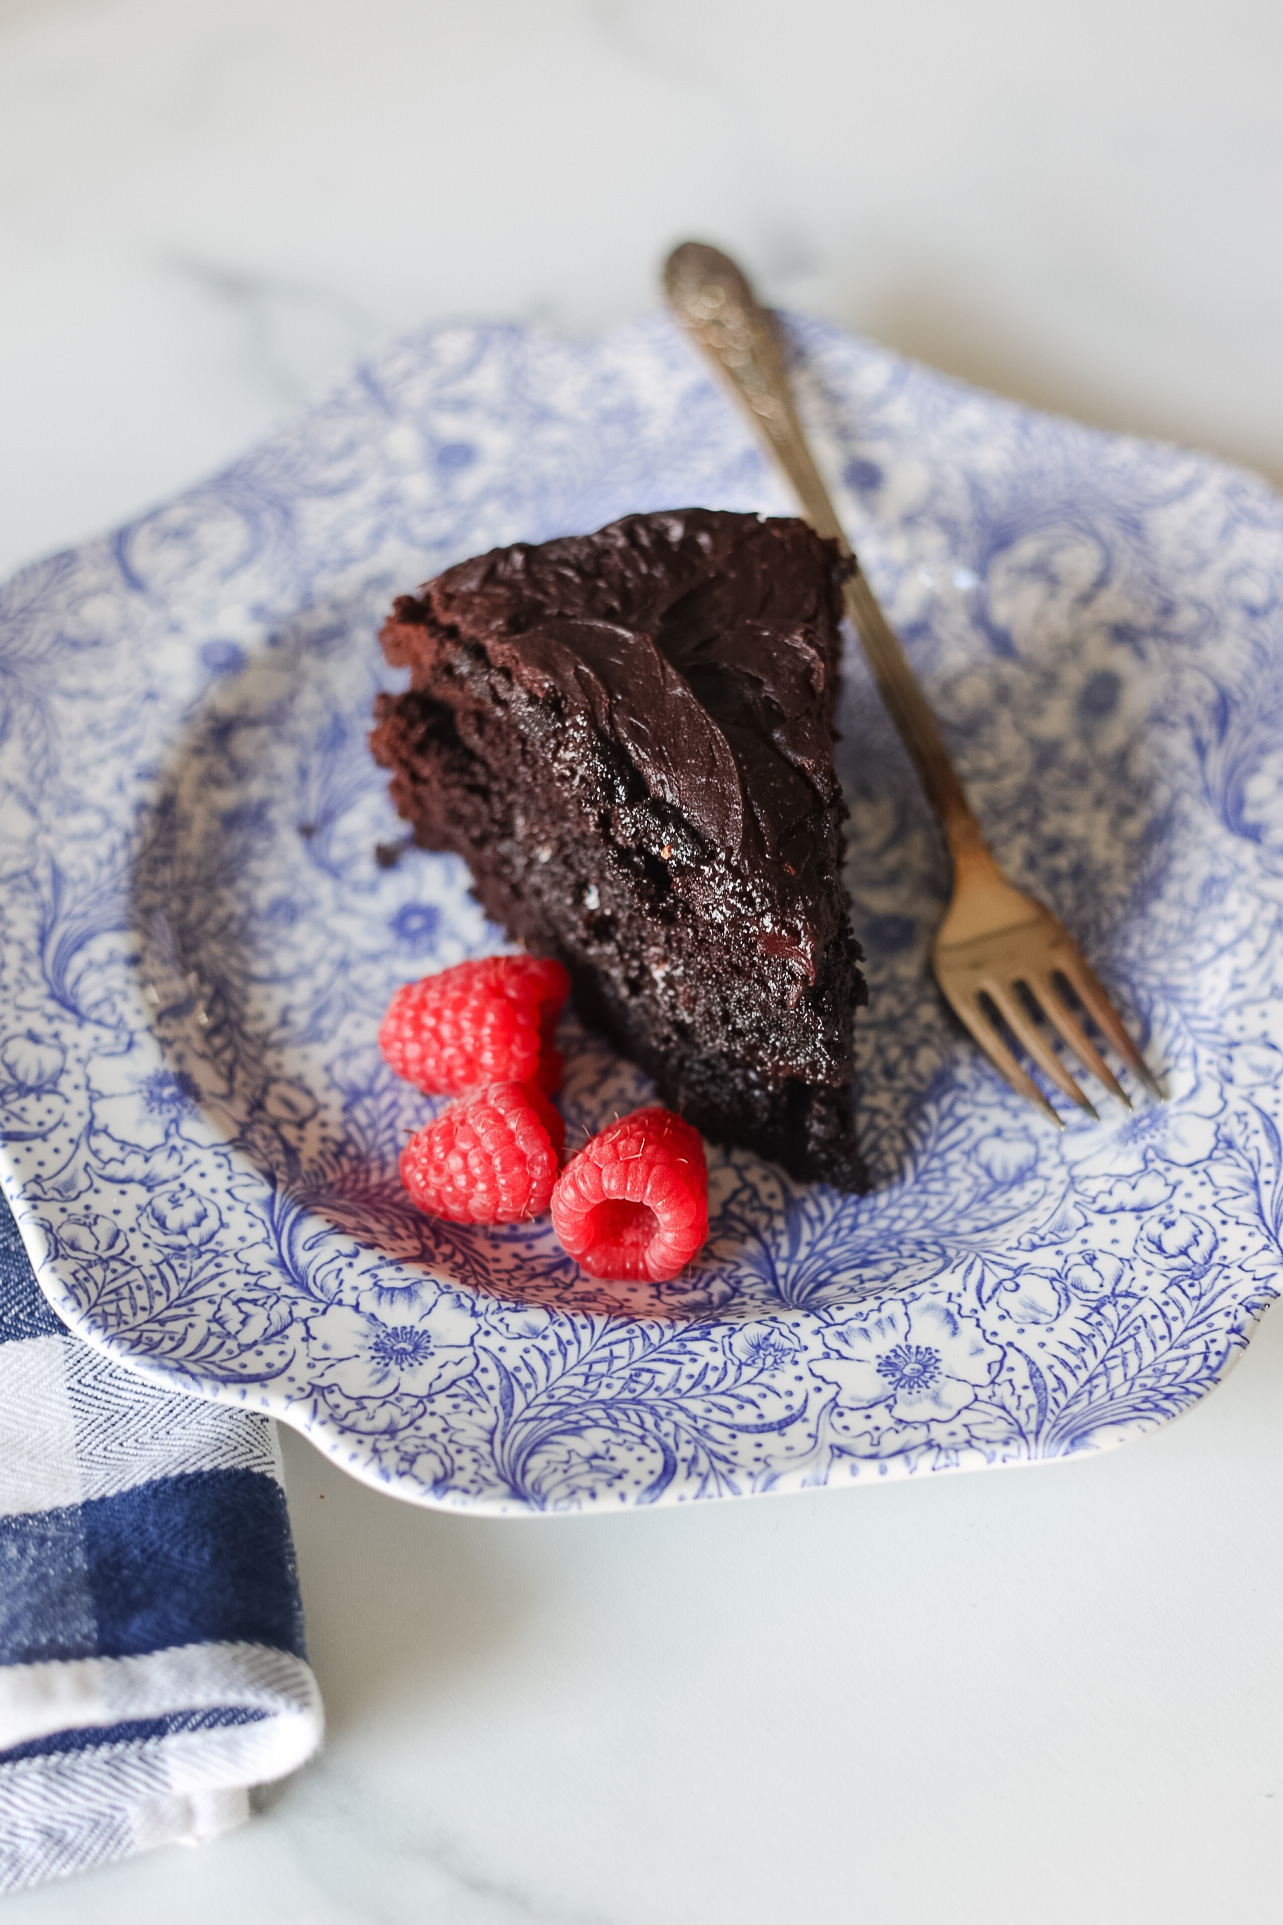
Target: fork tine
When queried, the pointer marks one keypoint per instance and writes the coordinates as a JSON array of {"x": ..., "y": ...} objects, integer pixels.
[
  {"x": 970, "y": 1011},
  {"x": 1057, "y": 1011},
  {"x": 1090, "y": 991},
  {"x": 1022, "y": 1025}
]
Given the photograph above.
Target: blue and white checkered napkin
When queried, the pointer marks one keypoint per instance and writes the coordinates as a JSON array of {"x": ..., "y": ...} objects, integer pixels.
[{"x": 151, "y": 1637}]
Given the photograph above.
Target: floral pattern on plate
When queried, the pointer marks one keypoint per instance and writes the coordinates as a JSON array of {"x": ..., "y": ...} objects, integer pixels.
[{"x": 209, "y": 901}]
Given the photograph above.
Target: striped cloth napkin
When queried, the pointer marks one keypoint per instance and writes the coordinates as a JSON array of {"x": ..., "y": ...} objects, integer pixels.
[{"x": 151, "y": 1636}]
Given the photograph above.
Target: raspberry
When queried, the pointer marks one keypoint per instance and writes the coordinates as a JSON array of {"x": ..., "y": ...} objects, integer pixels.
[
  {"x": 491, "y": 1159},
  {"x": 479, "y": 1022},
  {"x": 634, "y": 1202}
]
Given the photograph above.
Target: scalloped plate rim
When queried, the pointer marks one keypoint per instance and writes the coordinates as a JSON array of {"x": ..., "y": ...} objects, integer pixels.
[{"x": 645, "y": 355}]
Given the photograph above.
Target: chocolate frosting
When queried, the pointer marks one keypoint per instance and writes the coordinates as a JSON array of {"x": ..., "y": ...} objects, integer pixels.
[{"x": 689, "y": 640}]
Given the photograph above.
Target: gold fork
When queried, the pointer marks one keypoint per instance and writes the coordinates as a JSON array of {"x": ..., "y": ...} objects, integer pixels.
[{"x": 999, "y": 955}]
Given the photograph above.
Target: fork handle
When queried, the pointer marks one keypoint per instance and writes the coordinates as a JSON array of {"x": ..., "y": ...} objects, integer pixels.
[{"x": 714, "y": 302}]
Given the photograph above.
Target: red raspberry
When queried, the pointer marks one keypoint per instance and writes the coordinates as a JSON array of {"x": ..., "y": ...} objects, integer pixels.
[
  {"x": 634, "y": 1202},
  {"x": 480, "y": 1022},
  {"x": 491, "y": 1159}
]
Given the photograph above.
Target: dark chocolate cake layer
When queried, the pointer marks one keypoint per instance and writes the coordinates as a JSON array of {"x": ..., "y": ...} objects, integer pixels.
[{"x": 629, "y": 736}]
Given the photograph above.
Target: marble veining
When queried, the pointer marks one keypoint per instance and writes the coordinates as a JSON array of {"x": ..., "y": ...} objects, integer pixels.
[{"x": 231, "y": 208}]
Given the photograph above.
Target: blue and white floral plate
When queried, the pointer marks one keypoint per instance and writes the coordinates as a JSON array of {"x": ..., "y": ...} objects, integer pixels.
[{"x": 199, "y": 940}]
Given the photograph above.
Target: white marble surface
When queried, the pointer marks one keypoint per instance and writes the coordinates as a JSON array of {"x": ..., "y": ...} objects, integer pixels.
[
  {"x": 977, "y": 1698},
  {"x": 205, "y": 210},
  {"x": 1046, "y": 1694}
]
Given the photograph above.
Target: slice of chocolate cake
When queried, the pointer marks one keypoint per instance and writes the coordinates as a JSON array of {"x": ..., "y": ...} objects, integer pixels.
[{"x": 629, "y": 736}]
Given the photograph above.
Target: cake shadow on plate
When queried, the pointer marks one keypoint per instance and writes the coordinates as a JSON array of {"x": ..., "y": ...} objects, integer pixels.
[{"x": 271, "y": 936}]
